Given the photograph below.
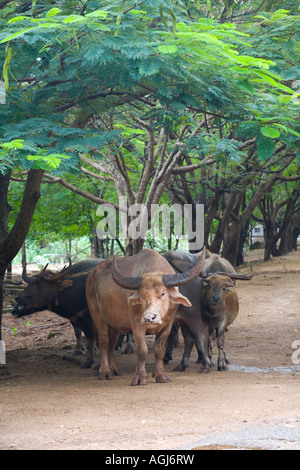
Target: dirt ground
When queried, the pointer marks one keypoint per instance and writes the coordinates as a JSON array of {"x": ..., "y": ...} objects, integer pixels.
[{"x": 48, "y": 402}]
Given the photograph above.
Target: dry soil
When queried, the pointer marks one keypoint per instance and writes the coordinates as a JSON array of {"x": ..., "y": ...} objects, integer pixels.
[{"x": 48, "y": 402}]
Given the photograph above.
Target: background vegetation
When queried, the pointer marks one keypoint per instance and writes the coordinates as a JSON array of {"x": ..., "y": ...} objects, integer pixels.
[{"x": 159, "y": 101}]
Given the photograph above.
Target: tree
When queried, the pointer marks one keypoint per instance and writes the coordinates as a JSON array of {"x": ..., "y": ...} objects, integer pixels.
[
  {"x": 11, "y": 242},
  {"x": 280, "y": 216},
  {"x": 271, "y": 145},
  {"x": 150, "y": 110},
  {"x": 136, "y": 92}
]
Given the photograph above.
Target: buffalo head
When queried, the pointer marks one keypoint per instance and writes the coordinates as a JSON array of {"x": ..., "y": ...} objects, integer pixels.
[
  {"x": 40, "y": 292},
  {"x": 216, "y": 288},
  {"x": 155, "y": 291}
]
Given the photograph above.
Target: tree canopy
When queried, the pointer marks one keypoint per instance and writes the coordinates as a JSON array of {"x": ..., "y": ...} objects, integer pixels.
[{"x": 190, "y": 101}]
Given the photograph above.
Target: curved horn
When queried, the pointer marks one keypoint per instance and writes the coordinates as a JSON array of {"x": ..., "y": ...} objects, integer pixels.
[
  {"x": 237, "y": 276},
  {"x": 44, "y": 268},
  {"x": 57, "y": 277},
  {"x": 179, "y": 279},
  {"x": 127, "y": 282},
  {"x": 25, "y": 276},
  {"x": 241, "y": 276}
]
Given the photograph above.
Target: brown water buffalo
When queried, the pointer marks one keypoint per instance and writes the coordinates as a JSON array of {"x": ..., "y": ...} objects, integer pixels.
[
  {"x": 64, "y": 294},
  {"x": 137, "y": 293},
  {"x": 215, "y": 306},
  {"x": 219, "y": 301}
]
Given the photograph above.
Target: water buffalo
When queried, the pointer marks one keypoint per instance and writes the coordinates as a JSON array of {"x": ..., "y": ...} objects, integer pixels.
[
  {"x": 219, "y": 302},
  {"x": 215, "y": 306},
  {"x": 64, "y": 294},
  {"x": 143, "y": 300},
  {"x": 189, "y": 319}
]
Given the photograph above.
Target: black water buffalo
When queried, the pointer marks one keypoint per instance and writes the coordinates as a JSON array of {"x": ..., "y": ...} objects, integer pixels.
[
  {"x": 189, "y": 319},
  {"x": 64, "y": 294},
  {"x": 214, "y": 307}
]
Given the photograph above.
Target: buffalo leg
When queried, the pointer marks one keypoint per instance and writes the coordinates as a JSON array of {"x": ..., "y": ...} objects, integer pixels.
[
  {"x": 90, "y": 350},
  {"x": 119, "y": 342},
  {"x": 79, "y": 343},
  {"x": 140, "y": 377},
  {"x": 170, "y": 343},
  {"x": 203, "y": 355},
  {"x": 210, "y": 350},
  {"x": 107, "y": 340},
  {"x": 82, "y": 324},
  {"x": 102, "y": 330},
  {"x": 188, "y": 346},
  {"x": 112, "y": 336},
  {"x": 193, "y": 334},
  {"x": 222, "y": 358},
  {"x": 129, "y": 344},
  {"x": 159, "y": 372}
]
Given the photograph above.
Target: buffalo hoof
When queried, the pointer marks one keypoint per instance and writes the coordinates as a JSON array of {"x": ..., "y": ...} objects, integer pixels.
[
  {"x": 204, "y": 370},
  {"x": 179, "y": 368},
  {"x": 163, "y": 378},
  {"x": 139, "y": 380},
  {"x": 222, "y": 368},
  {"x": 78, "y": 352},
  {"x": 86, "y": 365},
  {"x": 128, "y": 349},
  {"x": 107, "y": 376}
]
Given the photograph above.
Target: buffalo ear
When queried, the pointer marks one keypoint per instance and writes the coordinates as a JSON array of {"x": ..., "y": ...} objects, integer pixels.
[
  {"x": 135, "y": 299},
  {"x": 177, "y": 298},
  {"x": 62, "y": 285}
]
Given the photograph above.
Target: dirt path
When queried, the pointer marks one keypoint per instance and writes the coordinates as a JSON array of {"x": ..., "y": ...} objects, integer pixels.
[{"x": 47, "y": 402}]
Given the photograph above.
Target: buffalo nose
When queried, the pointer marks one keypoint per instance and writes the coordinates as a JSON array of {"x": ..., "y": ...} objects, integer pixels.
[
  {"x": 215, "y": 298},
  {"x": 17, "y": 298},
  {"x": 151, "y": 317}
]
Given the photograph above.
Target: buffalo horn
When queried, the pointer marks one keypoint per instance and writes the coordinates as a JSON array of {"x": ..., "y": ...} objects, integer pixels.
[
  {"x": 237, "y": 276},
  {"x": 25, "y": 276},
  {"x": 179, "y": 279},
  {"x": 127, "y": 282},
  {"x": 57, "y": 277}
]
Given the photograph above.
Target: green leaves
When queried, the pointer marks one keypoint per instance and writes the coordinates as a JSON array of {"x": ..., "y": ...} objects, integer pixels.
[
  {"x": 47, "y": 161},
  {"x": 168, "y": 49},
  {"x": 270, "y": 132},
  {"x": 54, "y": 11},
  {"x": 14, "y": 144}
]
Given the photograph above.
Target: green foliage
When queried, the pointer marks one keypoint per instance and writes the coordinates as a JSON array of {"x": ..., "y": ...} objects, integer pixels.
[{"x": 83, "y": 76}]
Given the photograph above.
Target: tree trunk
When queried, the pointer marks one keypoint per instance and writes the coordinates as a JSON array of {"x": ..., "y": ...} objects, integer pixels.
[
  {"x": 133, "y": 246},
  {"x": 232, "y": 242},
  {"x": 296, "y": 233},
  {"x": 11, "y": 242},
  {"x": 24, "y": 260},
  {"x": 2, "y": 274},
  {"x": 271, "y": 239}
]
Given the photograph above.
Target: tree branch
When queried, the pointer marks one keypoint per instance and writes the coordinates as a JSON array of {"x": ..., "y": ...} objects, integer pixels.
[{"x": 81, "y": 192}]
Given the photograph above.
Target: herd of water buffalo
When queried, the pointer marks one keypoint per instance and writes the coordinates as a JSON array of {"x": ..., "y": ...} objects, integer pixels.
[{"x": 144, "y": 294}]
